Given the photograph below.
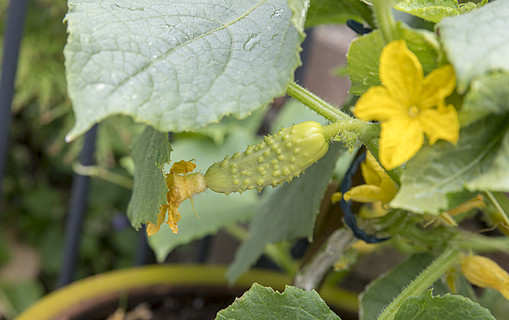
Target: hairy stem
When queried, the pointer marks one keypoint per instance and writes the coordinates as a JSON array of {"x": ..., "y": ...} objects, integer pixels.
[
  {"x": 104, "y": 174},
  {"x": 309, "y": 277},
  {"x": 423, "y": 281},
  {"x": 342, "y": 122},
  {"x": 315, "y": 103},
  {"x": 385, "y": 20},
  {"x": 479, "y": 243}
]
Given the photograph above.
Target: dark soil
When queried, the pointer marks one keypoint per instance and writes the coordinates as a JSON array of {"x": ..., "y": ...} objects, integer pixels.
[{"x": 157, "y": 303}]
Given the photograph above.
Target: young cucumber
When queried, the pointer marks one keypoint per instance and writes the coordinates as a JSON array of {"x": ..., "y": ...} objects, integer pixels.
[{"x": 277, "y": 159}]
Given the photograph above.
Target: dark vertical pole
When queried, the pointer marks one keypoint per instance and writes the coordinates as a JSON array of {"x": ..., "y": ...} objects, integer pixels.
[
  {"x": 304, "y": 56},
  {"x": 143, "y": 251},
  {"x": 77, "y": 209},
  {"x": 12, "y": 40}
]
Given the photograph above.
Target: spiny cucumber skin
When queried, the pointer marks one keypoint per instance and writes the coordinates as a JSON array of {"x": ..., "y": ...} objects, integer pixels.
[{"x": 279, "y": 158}]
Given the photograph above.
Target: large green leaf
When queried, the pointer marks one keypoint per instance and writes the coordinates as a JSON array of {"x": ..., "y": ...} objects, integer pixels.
[
  {"x": 476, "y": 42},
  {"x": 338, "y": 11},
  {"x": 299, "y": 9},
  {"x": 288, "y": 213},
  {"x": 448, "y": 307},
  {"x": 177, "y": 65},
  {"x": 364, "y": 55},
  {"x": 494, "y": 177},
  {"x": 487, "y": 95},
  {"x": 261, "y": 303},
  {"x": 438, "y": 170},
  {"x": 384, "y": 289},
  {"x": 436, "y": 10},
  {"x": 150, "y": 152}
]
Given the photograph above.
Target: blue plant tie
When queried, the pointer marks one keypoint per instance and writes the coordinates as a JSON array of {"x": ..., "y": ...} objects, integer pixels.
[
  {"x": 346, "y": 206},
  {"x": 357, "y": 27}
]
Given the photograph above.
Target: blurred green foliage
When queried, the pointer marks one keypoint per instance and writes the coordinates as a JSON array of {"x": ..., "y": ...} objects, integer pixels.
[{"x": 37, "y": 182}]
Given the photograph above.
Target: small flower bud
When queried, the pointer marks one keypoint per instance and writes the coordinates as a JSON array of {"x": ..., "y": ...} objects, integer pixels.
[{"x": 485, "y": 273}]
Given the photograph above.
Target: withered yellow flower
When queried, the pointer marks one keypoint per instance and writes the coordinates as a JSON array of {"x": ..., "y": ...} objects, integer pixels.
[
  {"x": 485, "y": 273},
  {"x": 181, "y": 186},
  {"x": 379, "y": 186},
  {"x": 409, "y": 105}
]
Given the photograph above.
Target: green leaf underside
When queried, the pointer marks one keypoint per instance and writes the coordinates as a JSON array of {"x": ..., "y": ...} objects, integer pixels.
[
  {"x": 333, "y": 11},
  {"x": 150, "y": 152},
  {"x": 476, "y": 162},
  {"x": 496, "y": 176},
  {"x": 299, "y": 9},
  {"x": 476, "y": 42},
  {"x": 384, "y": 289},
  {"x": 447, "y": 307},
  {"x": 177, "y": 65},
  {"x": 288, "y": 213},
  {"x": 264, "y": 303},
  {"x": 364, "y": 55},
  {"x": 487, "y": 95},
  {"x": 435, "y": 10}
]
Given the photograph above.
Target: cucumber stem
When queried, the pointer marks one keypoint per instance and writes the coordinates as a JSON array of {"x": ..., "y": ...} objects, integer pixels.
[
  {"x": 315, "y": 103},
  {"x": 423, "y": 281},
  {"x": 382, "y": 10}
]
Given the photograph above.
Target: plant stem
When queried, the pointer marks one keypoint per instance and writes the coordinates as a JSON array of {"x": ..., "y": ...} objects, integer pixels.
[
  {"x": 312, "y": 274},
  {"x": 382, "y": 10},
  {"x": 341, "y": 121},
  {"x": 315, "y": 103},
  {"x": 104, "y": 174},
  {"x": 364, "y": 130},
  {"x": 432, "y": 273},
  {"x": 368, "y": 133},
  {"x": 479, "y": 243}
]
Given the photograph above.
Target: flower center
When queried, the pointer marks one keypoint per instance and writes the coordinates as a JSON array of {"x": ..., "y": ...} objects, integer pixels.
[{"x": 413, "y": 111}]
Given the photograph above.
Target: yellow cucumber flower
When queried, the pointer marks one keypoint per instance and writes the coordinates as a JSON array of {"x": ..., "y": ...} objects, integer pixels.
[
  {"x": 485, "y": 273},
  {"x": 409, "y": 105},
  {"x": 181, "y": 186},
  {"x": 379, "y": 186}
]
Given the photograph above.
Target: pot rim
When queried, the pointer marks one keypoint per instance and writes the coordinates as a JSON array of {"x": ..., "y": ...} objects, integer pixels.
[{"x": 82, "y": 291}]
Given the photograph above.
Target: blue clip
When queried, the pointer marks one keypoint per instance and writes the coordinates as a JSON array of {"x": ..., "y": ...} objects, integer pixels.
[{"x": 357, "y": 27}]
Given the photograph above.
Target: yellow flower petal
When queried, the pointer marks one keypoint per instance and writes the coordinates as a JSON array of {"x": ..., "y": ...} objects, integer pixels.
[
  {"x": 378, "y": 104},
  {"x": 371, "y": 170},
  {"x": 400, "y": 140},
  {"x": 408, "y": 105},
  {"x": 401, "y": 73},
  {"x": 440, "y": 124},
  {"x": 336, "y": 197},
  {"x": 378, "y": 187},
  {"x": 364, "y": 193},
  {"x": 438, "y": 85},
  {"x": 485, "y": 273}
]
